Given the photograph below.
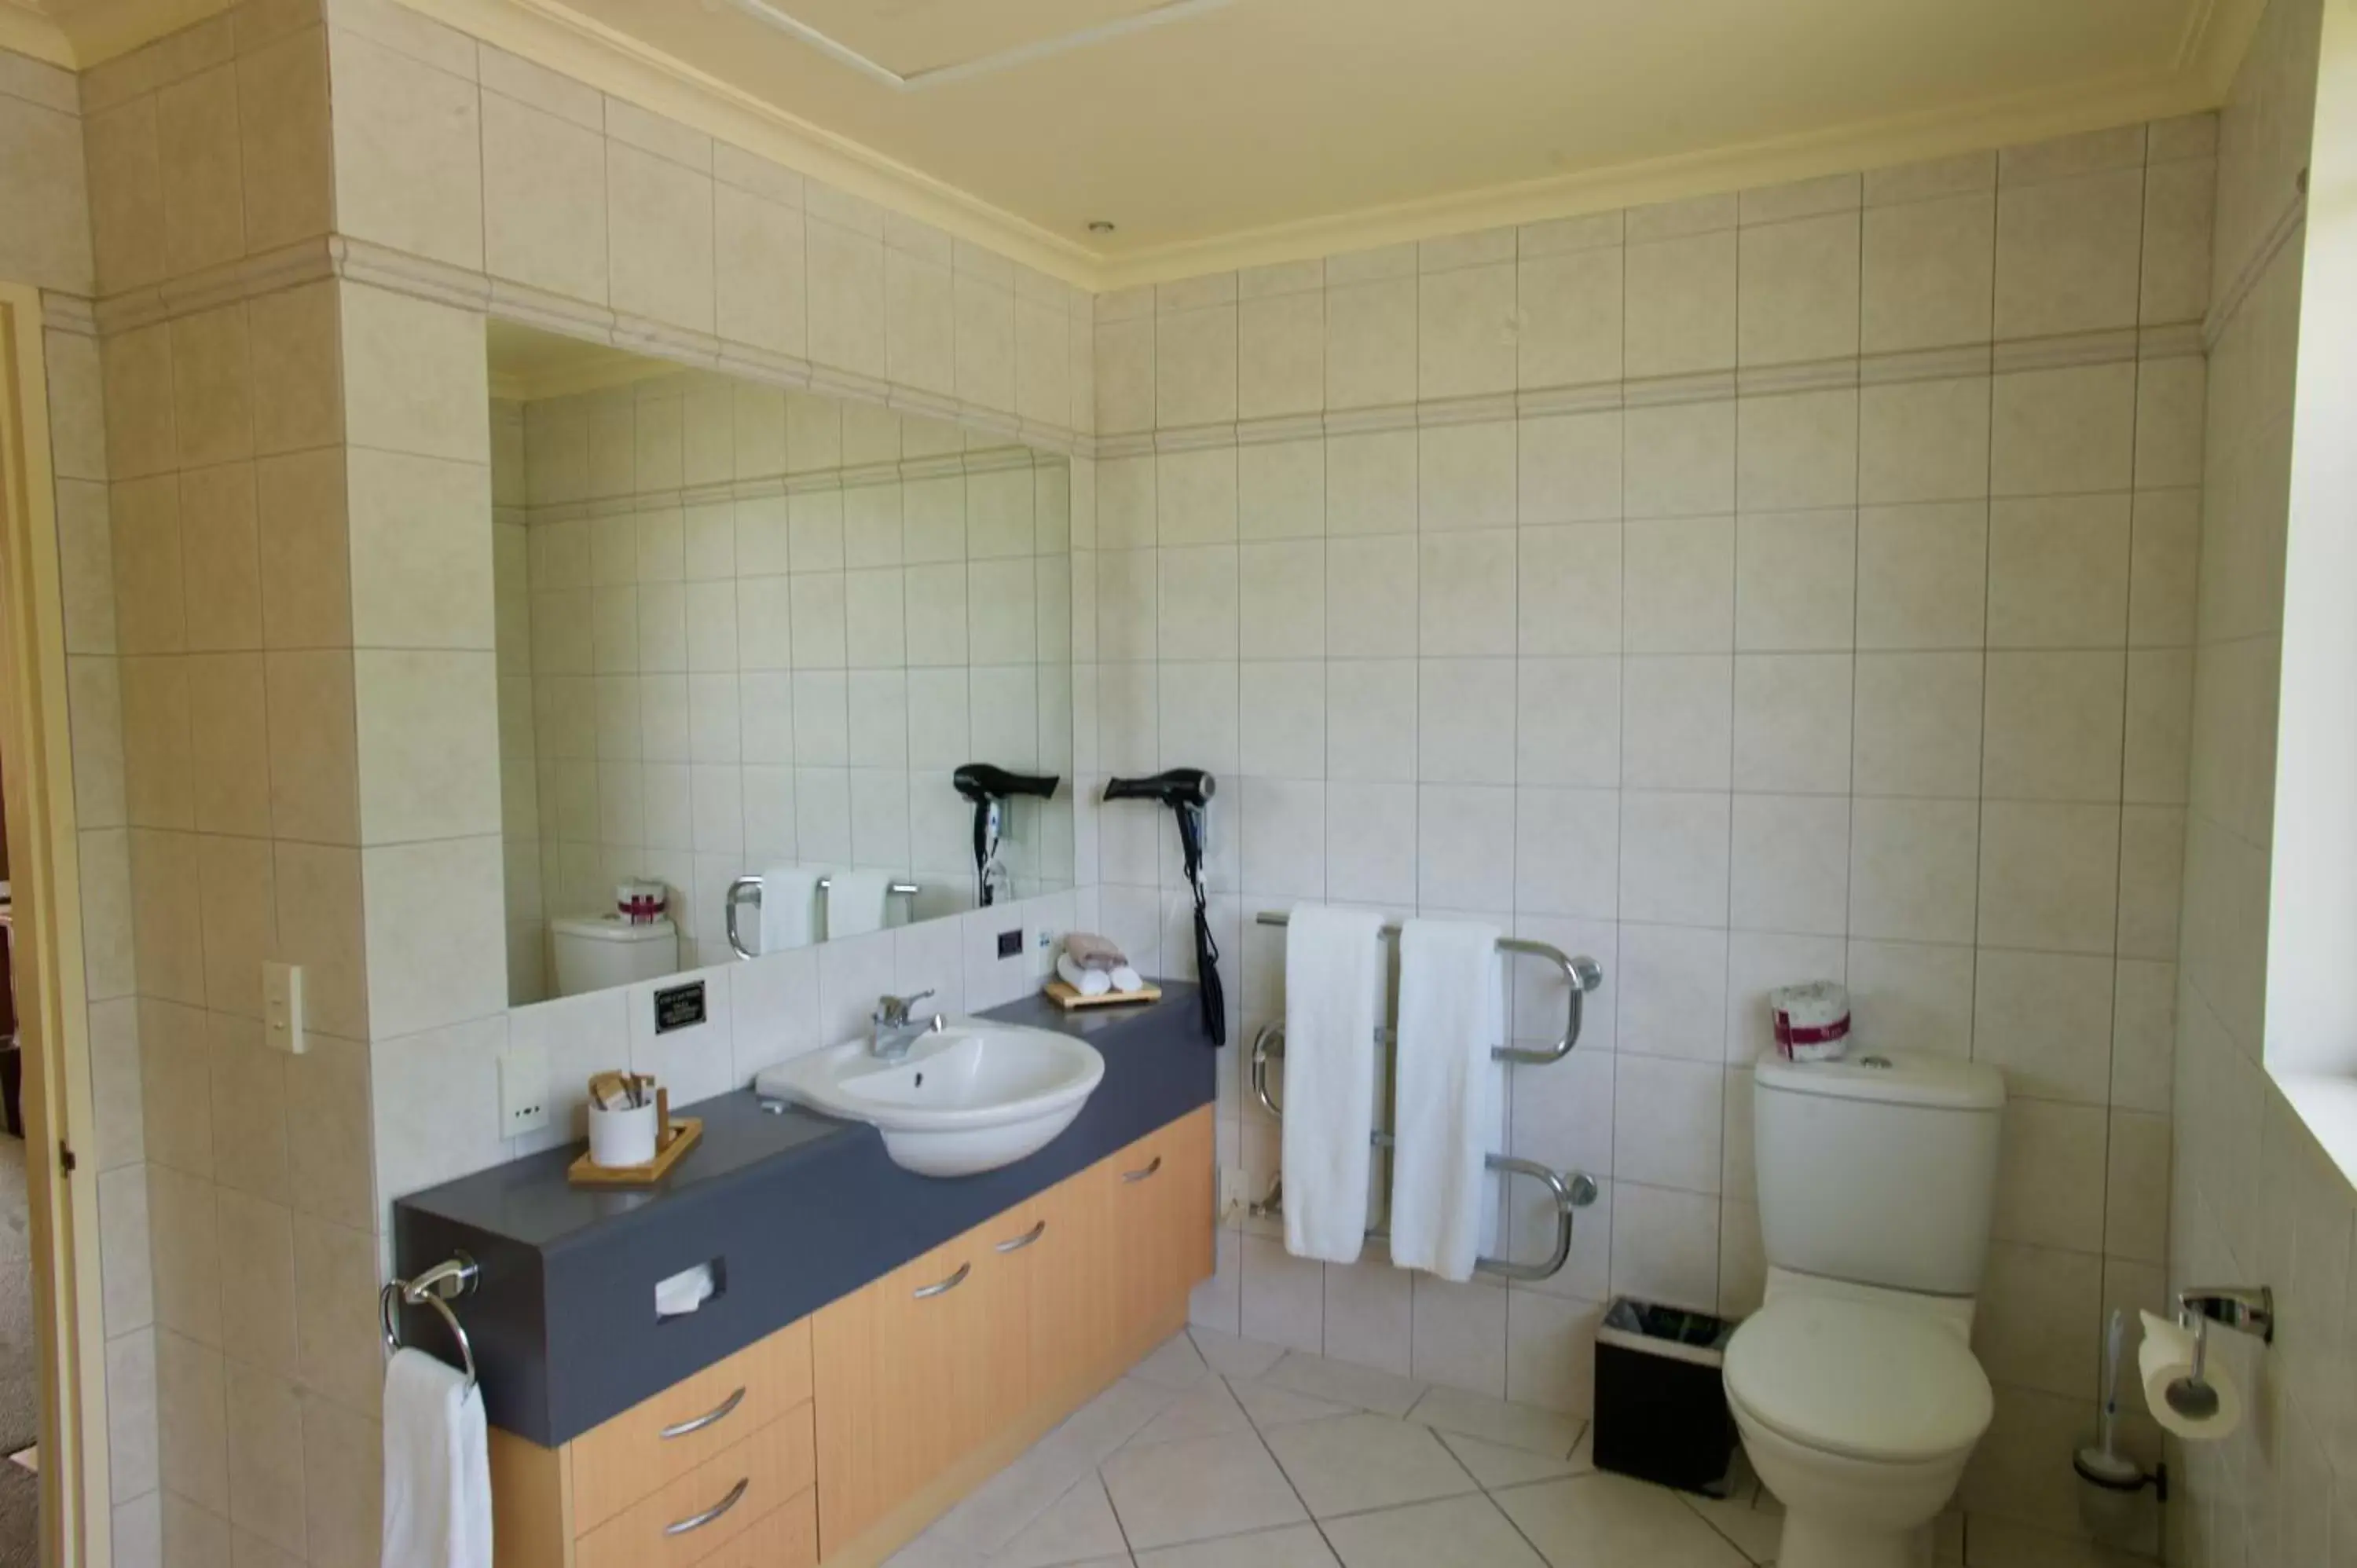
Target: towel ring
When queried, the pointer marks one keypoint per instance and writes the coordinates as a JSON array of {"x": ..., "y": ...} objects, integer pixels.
[{"x": 434, "y": 1288}]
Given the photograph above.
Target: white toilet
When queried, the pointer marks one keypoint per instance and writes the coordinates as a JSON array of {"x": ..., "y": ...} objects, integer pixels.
[
  {"x": 1854, "y": 1385},
  {"x": 597, "y": 951}
]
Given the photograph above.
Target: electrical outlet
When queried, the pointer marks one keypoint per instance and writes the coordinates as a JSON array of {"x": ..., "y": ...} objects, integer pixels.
[
  {"x": 523, "y": 1091},
  {"x": 282, "y": 1007}
]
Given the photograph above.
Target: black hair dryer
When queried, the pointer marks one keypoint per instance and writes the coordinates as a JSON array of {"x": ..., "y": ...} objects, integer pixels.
[
  {"x": 990, "y": 788},
  {"x": 1188, "y": 791}
]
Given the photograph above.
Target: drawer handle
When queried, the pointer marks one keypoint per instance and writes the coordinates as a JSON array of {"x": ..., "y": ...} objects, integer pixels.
[
  {"x": 1019, "y": 1242},
  {"x": 698, "y": 1521},
  {"x": 718, "y": 1413},
  {"x": 1141, "y": 1176},
  {"x": 945, "y": 1286}
]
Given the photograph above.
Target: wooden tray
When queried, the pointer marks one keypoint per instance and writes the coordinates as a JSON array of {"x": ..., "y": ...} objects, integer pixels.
[
  {"x": 1068, "y": 999},
  {"x": 685, "y": 1132}
]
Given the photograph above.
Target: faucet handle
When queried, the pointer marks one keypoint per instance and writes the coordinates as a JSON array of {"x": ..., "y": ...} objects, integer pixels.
[{"x": 894, "y": 1010}]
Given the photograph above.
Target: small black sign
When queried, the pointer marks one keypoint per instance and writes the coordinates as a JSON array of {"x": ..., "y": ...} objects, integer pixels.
[
  {"x": 1010, "y": 943},
  {"x": 680, "y": 1007}
]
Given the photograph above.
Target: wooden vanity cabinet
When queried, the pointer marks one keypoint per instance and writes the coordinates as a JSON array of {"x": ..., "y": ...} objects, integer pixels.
[{"x": 851, "y": 1430}]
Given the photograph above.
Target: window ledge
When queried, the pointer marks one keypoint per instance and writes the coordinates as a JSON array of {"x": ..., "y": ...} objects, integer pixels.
[{"x": 2327, "y": 1102}]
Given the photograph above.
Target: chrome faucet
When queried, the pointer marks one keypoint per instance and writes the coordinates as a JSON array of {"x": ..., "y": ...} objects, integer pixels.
[{"x": 894, "y": 1031}]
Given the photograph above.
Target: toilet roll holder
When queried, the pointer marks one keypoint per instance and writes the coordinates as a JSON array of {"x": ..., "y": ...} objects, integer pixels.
[{"x": 2248, "y": 1308}]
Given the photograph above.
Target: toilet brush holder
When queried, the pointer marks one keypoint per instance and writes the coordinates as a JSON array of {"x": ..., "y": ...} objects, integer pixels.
[{"x": 2111, "y": 1484}]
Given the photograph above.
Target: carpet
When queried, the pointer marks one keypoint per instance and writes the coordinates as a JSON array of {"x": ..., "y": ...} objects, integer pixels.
[{"x": 20, "y": 1377}]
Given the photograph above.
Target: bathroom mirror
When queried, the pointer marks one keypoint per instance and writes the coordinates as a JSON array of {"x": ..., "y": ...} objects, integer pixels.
[{"x": 751, "y": 634}]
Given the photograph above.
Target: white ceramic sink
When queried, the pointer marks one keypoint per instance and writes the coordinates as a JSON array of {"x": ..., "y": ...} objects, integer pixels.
[{"x": 971, "y": 1096}]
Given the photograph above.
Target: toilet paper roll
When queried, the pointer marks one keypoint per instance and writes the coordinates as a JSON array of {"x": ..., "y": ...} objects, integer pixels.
[{"x": 2165, "y": 1356}]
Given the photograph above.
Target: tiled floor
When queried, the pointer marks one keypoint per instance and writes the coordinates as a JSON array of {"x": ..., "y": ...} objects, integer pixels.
[{"x": 1216, "y": 1452}]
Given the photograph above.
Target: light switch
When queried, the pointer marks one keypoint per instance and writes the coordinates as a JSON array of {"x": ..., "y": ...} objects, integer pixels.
[
  {"x": 282, "y": 1007},
  {"x": 523, "y": 1090}
]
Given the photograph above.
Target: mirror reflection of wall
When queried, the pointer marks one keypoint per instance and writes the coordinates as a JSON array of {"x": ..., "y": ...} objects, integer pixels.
[{"x": 742, "y": 630}]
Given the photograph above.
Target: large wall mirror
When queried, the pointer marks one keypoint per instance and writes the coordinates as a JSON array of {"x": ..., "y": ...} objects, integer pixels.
[{"x": 748, "y": 641}]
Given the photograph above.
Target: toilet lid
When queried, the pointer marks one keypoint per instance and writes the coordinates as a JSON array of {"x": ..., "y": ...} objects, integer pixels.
[{"x": 1857, "y": 1379}]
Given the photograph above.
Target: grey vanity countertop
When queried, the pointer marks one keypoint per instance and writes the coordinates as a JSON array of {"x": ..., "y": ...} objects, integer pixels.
[{"x": 794, "y": 1210}]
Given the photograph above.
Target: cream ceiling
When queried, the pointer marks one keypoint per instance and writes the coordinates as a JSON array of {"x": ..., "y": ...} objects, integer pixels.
[{"x": 1214, "y": 132}]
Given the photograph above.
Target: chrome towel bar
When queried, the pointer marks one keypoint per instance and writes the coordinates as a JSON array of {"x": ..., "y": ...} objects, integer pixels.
[
  {"x": 437, "y": 1287},
  {"x": 1584, "y": 975},
  {"x": 748, "y": 890}
]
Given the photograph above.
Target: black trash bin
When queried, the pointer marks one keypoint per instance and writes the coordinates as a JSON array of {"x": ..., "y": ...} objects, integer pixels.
[{"x": 1660, "y": 1406}]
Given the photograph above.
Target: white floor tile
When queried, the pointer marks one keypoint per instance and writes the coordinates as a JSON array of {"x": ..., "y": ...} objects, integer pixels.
[
  {"x": 1463, "y": 1532},
  {"x": 1269, "y": 1405},
  {"x": 1203, "y": 1411},
  {"x": 1233, "y": 1356},
  {"x": 1174, "y": 1364},
  {"x": 1114, "y": 1417},
  {"x": 1748, "y": 1530},
  {"x": 1345, "y": 1384},
  {"x": 1078, "y": 1526},
  {"x": 1495, "y": 1465},
  {"x": 1200, "y": 1486},
  {"x": 1299, "y": 1547},
  {"x": 1611, "y": 1521},
  {"x": 1495, "y": 1420},
  {"x": 1355, "y": 1463}
]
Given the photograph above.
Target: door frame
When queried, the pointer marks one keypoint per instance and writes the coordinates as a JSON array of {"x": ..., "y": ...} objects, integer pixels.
[{"x": 52, "y": 998}]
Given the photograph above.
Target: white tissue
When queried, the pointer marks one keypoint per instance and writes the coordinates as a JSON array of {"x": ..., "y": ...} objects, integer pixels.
[
  {"x": 683, "y": 1292},
  {"x": 2167, "y": 1355}
]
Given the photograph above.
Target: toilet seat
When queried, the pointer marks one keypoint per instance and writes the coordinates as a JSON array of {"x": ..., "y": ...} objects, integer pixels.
[{"x": 1863, "y": 1381}]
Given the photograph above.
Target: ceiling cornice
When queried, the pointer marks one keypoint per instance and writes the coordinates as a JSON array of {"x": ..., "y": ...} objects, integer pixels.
[{"x": 554, "y": 34}]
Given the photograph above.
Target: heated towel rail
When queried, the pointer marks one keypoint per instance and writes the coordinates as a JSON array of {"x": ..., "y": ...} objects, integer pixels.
[
  {"x": 748, "y": 890},
  {"x": 1567, "y": 1190}
]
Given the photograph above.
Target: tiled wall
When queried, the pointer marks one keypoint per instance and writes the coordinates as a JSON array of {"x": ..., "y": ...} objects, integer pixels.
[
  {"x": 1791, "y": 584},
  {"x": 2256, "y": 1200},
  {"x": 234, "y": 624},
  {"x": 742, "y": 627}
]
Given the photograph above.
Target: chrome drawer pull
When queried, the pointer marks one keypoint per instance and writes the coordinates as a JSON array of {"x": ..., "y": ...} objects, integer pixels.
[
  {"x": 1141, "y": 1176},
  {"x": 698, "y": 1521},
  {"x": 947, "y": 1285},
  {"x": 718, "y": 1413},
  {"x": 1025, "y": 1240}
]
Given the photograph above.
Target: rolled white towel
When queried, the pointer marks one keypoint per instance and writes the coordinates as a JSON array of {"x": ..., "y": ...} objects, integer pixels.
[
  {"x": 1126, "y": 980},
  {"x": 1087, "y": 981}
]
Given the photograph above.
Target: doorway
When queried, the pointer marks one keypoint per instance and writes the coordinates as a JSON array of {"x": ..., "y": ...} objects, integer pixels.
[{"x": 52, "y": 1376}]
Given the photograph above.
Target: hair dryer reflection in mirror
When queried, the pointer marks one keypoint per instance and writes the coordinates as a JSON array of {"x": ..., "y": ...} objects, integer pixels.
[{"x": 989, "y": 788}]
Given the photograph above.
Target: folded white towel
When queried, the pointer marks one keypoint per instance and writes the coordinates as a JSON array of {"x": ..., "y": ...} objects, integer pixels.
[
  {"x": 1333, "y": 983},
  {"x": 1087, "y": 981},
  {"x": 855, "y": 903},
  {"x": 789, "y": 906},
  {"x": 1451, "y": 1012},
  {"x": 1126, "y": 979},
  {"x": 437, "y": 1470}
]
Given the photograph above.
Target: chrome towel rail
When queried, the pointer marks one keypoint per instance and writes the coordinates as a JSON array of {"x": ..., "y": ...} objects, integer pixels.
[
  {"x": 1583, "y": 975},
  {"x": 1567, "y": 1190},
  {"x": 748, "y": 890},
  {"x": 437, "y": 1287}
]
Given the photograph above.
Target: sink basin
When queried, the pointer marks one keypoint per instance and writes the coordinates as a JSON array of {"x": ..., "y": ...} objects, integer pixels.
[{"x": 971, "y": 1096}]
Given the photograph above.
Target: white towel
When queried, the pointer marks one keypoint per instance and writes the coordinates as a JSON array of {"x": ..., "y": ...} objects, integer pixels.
[
  {"x": 1333, "y": 984},
  {"x": 1451, "y": 1011},
  {"x": 1126, "y": 979},
  {"x": 437, "y": 1467},
  {"x": 789, "y": 906},
  {"x": 855, "y": 903},
  {"x": 1087, "y": 981}
]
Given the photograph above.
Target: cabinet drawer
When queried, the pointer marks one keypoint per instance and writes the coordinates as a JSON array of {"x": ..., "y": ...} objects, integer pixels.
[
  {"x": 664, "y": 1437},
  {"x": 710, "y": 1507},
  {"x": 786, "y": 1537}
]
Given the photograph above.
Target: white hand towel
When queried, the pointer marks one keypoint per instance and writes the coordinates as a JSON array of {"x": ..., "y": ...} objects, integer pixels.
[
  {"x": 1087, "y": 981},
  {"x": 437, "y": 1470},
  {"x": 1451, "y": 1011},
  {"x": 855, "y": 903},
  {"x": 1126, "y": 979},
  {"x": 789, "y": 906},
  {"x": 1333, "y": 984}
]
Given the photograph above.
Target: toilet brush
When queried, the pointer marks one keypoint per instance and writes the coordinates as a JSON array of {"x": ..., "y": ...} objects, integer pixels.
[{"x": 2113, "y": 1479}]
